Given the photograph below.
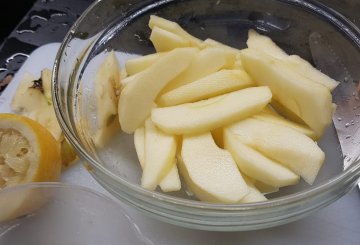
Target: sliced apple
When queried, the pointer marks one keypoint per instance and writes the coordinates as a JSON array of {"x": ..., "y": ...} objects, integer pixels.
[
  {"x": 174, "y": 28},
  {"x": 171, "y": 181},
  {"x": 206, "y": 62},
  {"x": 293, "y": 62},
  {"x": 277, "y": 119},
  {"x": 46, "y": 75},
  {"x": 139, "y": 64},
  {"x": 257, "y": 166},
  {"x": 160, "y": 151},
  {"x": 103, "y": 135},
  {"x": 107, "y": 83},
  {"x": 237, "y": 65},
  {"x": 29, "y": 100},
  {"x": 254, "y": 194},
  {"x": 311, "y": 101},
  {"x": 164, "y": 40},
  {"x": 285, "y": 112},
  {"x": 264, "y": 44},
  {"x": 221, "y": 82},
  {"x": 282, "y": 144},
  {"x": 213, "y": 113},
  {"x": 211, "y": 43},
  {"x": 264, "y": 188},
  {"x": 137, "y": 97},
  {"x": 139, "y": 142},
  {"x": 107, "y": 80},
  {"x": 209, "y": 171}
]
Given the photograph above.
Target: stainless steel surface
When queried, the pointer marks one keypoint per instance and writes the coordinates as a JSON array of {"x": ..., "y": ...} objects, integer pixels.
[{"x": 346, "y": 95}]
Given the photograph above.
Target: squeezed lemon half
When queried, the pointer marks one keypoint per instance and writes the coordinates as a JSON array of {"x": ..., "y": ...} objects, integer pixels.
[{"x": 28, "y": 152}]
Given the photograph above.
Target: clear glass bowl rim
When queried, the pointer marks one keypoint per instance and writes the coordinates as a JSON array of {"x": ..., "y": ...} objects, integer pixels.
[{"x": 352, "y": 173}]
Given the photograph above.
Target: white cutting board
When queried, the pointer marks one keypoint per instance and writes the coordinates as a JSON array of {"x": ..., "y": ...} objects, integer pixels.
[{"x": 337, "y": 224}]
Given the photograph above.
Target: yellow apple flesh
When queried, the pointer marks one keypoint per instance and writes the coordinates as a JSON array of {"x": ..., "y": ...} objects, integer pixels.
[
  {"x": 256, "y": 165},
  {"x": 160, "y": 151},
  {"x": 206, "y": 115},
  {"x": 292, "y": 62},
  {"x": 171, "y": 181},
  {"x": 206, "y": 62},
  {"x": 137, "y": 97},
  {"x": 218, "y": 83},
  {"x": 209, "y": 171},
  {"x": 166, "y": 41},
  {"x": 139, "y": 64},
  {"x": 310, "y": 101},
  {"x": 156, "y": 21},
  {"x": 284, "y": 145}
]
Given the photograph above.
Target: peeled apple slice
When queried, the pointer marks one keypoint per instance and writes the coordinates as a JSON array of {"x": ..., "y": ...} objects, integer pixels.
[
  {"x": 264, "y": 188},
  {"x": 265, "y": 44},
  {"x": 277, "y": 119},
  {"x": 215, "y": 84},
  {"x": 310, "y": 101},
  {"x": 210, "y": 172},
  {"x": 137, "y": 97},
  {"x": 210, "y": 43},
  {"x": 160, "y": 150},
  {"x": 164, "y": 40},
  {"x": 284, "y": 145},
  {"x": 204, "y": 63},
  {"x": 294, "y": 62},
  {"x": 254, "y": 194},
  {"x": 107, "y": 82},
  {"x": 171, "y": 182},
  {"x": 156, "y": 21},
  {"x": 257, "y": 166},
  {"x": 28, "y": 152},
  {"x": 213, "y": 113},
  {"x": 139, "y": 64}
]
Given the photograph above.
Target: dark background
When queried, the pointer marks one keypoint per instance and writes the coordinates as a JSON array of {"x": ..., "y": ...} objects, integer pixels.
[{"x": 11, "y": 13}]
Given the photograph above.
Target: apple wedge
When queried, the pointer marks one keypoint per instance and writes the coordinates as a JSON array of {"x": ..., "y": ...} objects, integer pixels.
[
  {"x": 293, "y": 62},
  {"x": 254, "y": 194},
  {"x": 171, "y": 181},
  {"x": 264, "y": 188},
  {"x": 257, "y": 166},
  {"x": 156, "y": 21},
  {"x": 211, "y": 43},
  {"x": 218, "y": 83},
  {"x": 46, "y": 75},
  {"x": 160, "y": 151},
  {"x": 265, "y": 44},
  {"x": 137, "y": 97},
  {"x": 284, "y": 145},
  {"x": 210, "y": 172},
  {"x": 164, "y": 40},
  {"x": 213, "y": 113},
  {"x": 139, "y": 64},
  {"x": 277, "y": 119},
  {"x": 310, "y": 101},
  {"x": 107, "y": 82},
  {"x": 30, "y": 101},
  {"x": 206, "y": 62}
]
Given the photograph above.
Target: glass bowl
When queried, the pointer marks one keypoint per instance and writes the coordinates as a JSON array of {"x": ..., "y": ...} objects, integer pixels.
[
  {"x": 56, "y": 213},
  {"x": 122, "y": 26}
]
